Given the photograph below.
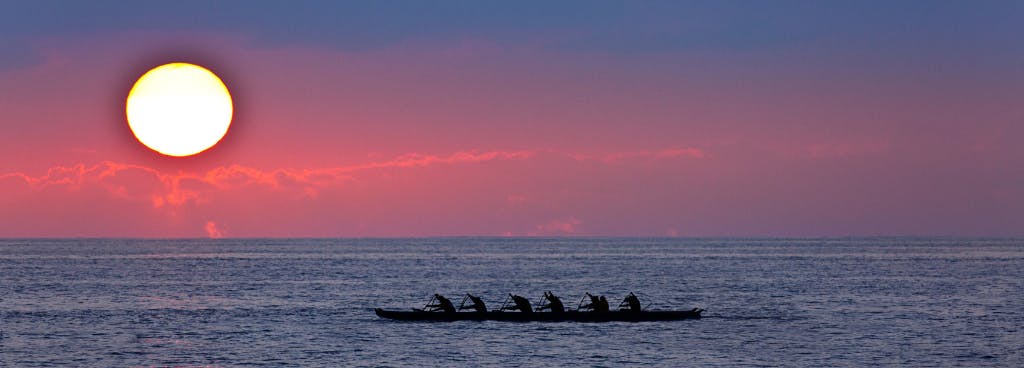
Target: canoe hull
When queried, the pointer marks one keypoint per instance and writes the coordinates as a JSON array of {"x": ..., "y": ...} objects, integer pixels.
[{"x": 613, "y": 316}]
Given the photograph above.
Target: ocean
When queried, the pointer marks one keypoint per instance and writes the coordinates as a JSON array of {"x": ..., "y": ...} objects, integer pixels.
[{"x": 309, "y": 302}]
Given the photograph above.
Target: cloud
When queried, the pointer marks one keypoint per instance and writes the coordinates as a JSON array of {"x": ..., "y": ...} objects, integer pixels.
[
  {"x": 847, "y": 149},
  {"x": 169, "y": 190},
  {"x": 420, "y": 160},
  {"x": 566, "y": 226},
  {"x": 176, "y": 189},
  {"x": 515, "y": 200},
  {"x": 213, "y": 231},
  {"x": 528, "y": 192},
  {"x": 514, "y": 189},
  {"x": 668, "y": 153}
]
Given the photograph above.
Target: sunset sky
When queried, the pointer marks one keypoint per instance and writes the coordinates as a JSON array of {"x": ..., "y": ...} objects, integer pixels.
[{"x": 522, "y": 118}]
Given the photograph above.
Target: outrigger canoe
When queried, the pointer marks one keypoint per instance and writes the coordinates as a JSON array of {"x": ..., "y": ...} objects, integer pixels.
[{"x": 568, "y": 316}]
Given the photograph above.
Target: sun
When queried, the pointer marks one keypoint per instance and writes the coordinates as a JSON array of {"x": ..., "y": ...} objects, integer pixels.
[{"x": 179, "y": 109}]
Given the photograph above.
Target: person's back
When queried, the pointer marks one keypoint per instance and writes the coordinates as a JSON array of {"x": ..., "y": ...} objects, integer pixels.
[
  {"x": 522, "y": 304},
  {"x": 602, "y": 305},
  {"x": 554, "y": 303},
  {"x": 594, "y": 303},
  {"x": 478, "y": 304},
  {"x": 632, "y": 302},
  {"x": 443, "y": 304}
]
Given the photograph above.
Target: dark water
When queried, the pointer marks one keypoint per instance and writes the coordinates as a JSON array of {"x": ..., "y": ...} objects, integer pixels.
[{"x": 184, "y": 303}]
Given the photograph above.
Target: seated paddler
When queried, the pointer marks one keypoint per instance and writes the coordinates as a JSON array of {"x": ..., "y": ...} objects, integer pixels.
[
  {"x": 593, "y": 302},
  {"x": 521, "y": 304},
  {"x": 553, "y": 303},
  {"x": 630, "y": 303},
  {"x": 478, "y": 304},
  {"x": 602, "y": 306},
  {"x": 442, "y": 305},
  {"x": 597, "y": 303}
]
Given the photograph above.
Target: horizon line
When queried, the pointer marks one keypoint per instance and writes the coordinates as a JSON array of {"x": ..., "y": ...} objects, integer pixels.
[{"x": 759, "y": 237}]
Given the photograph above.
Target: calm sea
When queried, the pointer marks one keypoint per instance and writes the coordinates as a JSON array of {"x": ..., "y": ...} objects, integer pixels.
[{"x": 257, "y": 302}]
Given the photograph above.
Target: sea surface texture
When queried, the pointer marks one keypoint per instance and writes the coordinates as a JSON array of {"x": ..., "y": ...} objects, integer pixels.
[{"x": 309, "y": 303}]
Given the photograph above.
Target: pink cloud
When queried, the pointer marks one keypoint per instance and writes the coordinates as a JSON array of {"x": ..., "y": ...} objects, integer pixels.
[
  {"x": 669, "y": 153},
  {"x": 527, "y": 192},
  {"x": 160, "y": 189},
  {"x": 175, "y": 189},
  {"x": 847, "y": 149},
  {"x": 213, "y": 231},
  {"x": 565, "y": 226},
  {"x": 515, "y": 200}
]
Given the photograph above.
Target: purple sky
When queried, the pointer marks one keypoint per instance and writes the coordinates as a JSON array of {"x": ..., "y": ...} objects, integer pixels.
[{"x": 710, "y": 118}]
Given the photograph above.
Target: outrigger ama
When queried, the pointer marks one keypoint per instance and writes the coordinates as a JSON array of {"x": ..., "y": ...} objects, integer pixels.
[{"x": 518, "y": 309}]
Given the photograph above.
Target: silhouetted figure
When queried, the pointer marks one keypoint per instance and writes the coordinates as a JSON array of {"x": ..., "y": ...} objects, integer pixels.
[
  {"x": 478, "y": 304},
  {"x": 554, "y": 303},
  {"x": 630, "y": 303},
  {"x": 443, "y": 305},
  {"x": 596, "y": 304},
  {"x": 602, "y": 305},
  {"x": 521, "y": 304}
]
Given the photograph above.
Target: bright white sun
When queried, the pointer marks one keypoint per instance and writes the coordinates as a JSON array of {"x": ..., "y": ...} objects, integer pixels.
[{"x": 179, "y": 109}]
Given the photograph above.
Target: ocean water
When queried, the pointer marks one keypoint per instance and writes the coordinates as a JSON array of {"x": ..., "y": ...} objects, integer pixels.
[{"x": 308, "y": 303}]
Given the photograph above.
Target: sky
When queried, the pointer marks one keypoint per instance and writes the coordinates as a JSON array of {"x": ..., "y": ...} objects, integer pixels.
[{"x": 523, "y": 118}]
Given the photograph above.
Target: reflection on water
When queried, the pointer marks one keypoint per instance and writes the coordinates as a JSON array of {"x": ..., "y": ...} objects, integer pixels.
[{"x": 224, "y": 303}]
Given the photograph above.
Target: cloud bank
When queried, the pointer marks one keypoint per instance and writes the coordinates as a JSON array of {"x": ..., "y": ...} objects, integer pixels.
[{"x": 169, "y": 201}]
